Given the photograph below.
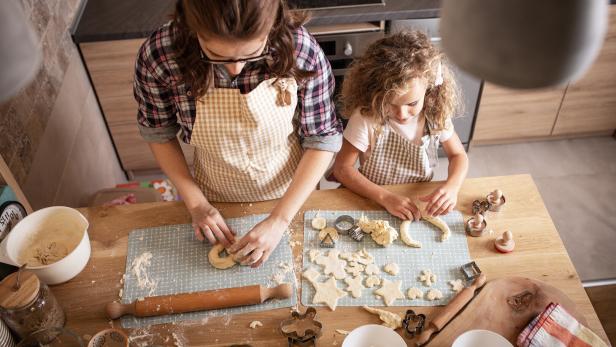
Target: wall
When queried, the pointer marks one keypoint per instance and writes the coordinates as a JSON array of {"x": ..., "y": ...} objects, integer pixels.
[{"x": 53, "y": 138}]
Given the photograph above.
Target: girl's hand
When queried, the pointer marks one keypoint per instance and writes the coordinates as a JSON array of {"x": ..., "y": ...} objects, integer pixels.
[
  {"x": 209, "y": 224},
  {"x": 441, "y": 201},
  {"x": 401, "y": 207},
  {"x": 257, "y": 245}
]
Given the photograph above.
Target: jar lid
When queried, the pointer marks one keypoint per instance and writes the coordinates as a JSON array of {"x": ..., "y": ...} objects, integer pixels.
[{"x": 12, "y": 298}]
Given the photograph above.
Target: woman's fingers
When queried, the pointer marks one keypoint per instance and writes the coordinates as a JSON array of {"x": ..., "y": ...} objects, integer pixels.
[
  {"x": 219, "y": 235},
  {"x": 207, "y": 232},
  {"x": 263, "y": 259},
  {"x": 198, "y": 232},
  {"x": 253, "y": 257},
  {"x": 245, "y": 251}
]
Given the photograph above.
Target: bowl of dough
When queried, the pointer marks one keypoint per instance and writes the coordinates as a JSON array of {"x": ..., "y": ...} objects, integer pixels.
[{"x": 53, "y": 242}]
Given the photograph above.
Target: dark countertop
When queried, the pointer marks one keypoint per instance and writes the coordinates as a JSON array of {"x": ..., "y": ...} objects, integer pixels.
[{"x": 105, "y": 20}]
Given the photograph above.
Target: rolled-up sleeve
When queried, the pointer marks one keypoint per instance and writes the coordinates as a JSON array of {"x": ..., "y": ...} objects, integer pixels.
[
  {"x": 319, "y": 128},
  {"x": 157, "y": 114}
]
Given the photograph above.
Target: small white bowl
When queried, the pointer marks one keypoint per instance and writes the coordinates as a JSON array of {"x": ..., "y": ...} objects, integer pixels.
[
  {"x": 373, "y": 335},
  {"x": 473, "y": 338}
]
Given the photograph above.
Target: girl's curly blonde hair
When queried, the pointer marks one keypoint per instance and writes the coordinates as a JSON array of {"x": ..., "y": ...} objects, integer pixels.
[{"x": 384, "y": 70}]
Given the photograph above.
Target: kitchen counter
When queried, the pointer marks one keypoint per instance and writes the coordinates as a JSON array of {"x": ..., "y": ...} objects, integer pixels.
[
  {"x": 105, "y": 20},
  {"x": 539, "y": 254}
]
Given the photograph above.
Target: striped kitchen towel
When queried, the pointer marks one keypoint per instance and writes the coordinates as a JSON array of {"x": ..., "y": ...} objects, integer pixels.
[{"x": 555, "y": 327}]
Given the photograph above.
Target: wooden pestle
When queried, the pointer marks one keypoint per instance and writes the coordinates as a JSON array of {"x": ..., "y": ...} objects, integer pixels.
[
  {"x": 453, "y": 307},
  {"x": 198, "y": 301}
]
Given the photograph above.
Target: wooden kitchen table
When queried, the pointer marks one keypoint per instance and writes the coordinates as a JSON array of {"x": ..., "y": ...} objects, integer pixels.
[{"x": 539, "y": 254}]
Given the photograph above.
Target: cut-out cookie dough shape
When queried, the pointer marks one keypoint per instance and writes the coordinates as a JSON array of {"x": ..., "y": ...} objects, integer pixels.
[
  {"x": 414, "y": 293},
  {"x": 354, "y": 268},
  {"x": 434, "y": 294},
  {"x": 389, "y": 319},
  {"x": 313, "y": 254},
  {"x": 380, "y": 230},
  {"x": 427, "y": 277},
  {"x": 456, "y": 285},
  {"x": 318, "y": 223},
  {"x": 405, "y": 235},
  {"x": 372, "y": 281},
  {"x": 372, "y": 269},
  {"x": 392, "y": 269},
  {"x": 355, "y": 285},
  {"x": 390, "y": 291},
  {"x": 311, "y": 275},
  {"x": 332, "y": 264},
  {"x": 327, "y": 293},
  {"x": 332, "y": 232},
  {"x": 217, "y": 261}
]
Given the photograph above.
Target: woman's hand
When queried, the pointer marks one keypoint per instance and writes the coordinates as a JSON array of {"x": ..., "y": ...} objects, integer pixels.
[
  {"x": 441, "y": 201},
  {"x": 257, "y": 245},
  {"x": 400, "y": 206},
  {"x": 209, "y": 224}
]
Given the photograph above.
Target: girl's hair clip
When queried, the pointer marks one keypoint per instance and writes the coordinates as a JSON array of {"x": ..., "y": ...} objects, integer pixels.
[{"x": 438, "y": 80}]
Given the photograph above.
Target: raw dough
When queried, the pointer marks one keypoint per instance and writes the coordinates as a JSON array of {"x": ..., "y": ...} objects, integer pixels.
[
  {"x": 327, "y": 293},
  {"x": 354, "y": 268},
  {"x": 392, "y": 269},
  {"x": 439, "y": 223},
  {"x": 390, "y": 319},
  {"x": 362, "y": 256},
  {"x": 313, "y": 254},
  {"x": 319, "y": 223},
  {"x": 311, "y": 275},
  {"x": 333, "y": 233},
  {"x": 427, "y": 277},
  {"x": 390, "y": 291},
  {"x": 49, "y": 245},
  {"x": 354, "y": 285},
  {"x": 342, "y": 332},
  {"x": 372, "y": 281},
  {"x": 456, "y": 285},
  {"x": 405, "y": 235},
  {"x": 372, "y": 269},
  {"x": 332, "y": 264},
  {"x": 434, "y": 294},
  {"x": 255, "y": 323},
  {"x": 414, "y": 293},
  {"x": 380, "y": 230},
  {"x": 217, "y": 261}
]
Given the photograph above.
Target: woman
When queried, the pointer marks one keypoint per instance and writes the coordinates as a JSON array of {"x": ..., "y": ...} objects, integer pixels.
[{"x": 251, "y": 90}]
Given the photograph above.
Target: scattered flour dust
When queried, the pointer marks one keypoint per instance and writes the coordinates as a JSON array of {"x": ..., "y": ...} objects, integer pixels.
[
  {"x": 139, "y": 268},
  {"x": 281, "y": 274}
]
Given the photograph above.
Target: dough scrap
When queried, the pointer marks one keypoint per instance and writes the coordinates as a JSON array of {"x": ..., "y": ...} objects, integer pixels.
[
  {"x": 389, "y": 319},
  {"x": 456, "y": 285},
  {"x": 380, "y": 230},
  {"x": 327, "y": 293},
  {"x": 372, "y": 281},
  {"x": 332, "y": 232},
  {"x": 405, "y": 235},
  {"x": 342, "y": 332},
  {"x": 318, "y": 223},
  {"x": 332, "y": 264},
  {"x": 414, "y": 293},
  {"x": 217, "y": 261},
  {"x": 355, "y": 285},
  {"x": 255, "y": 323},
  {"x": 311, "y": 275},
  {"x": 390, "y": 291},
  {"x": 427, "y": 277},
  {"x": 392, "y": 269},
  {"x": 313, "y": 254},
  {"x": 372, "y": 269},
  {"x": 434, "y": 294},
  {"x": 354, "y": 268}
]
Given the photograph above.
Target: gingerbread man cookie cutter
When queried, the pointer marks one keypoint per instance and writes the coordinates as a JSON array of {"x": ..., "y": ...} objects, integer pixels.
[{"x": 302, "y": 329}]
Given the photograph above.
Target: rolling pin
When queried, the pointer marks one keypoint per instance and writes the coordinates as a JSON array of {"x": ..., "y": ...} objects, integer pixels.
[
  {"x": 198, "y": 301},
  {"x": 454, "y": 306}
]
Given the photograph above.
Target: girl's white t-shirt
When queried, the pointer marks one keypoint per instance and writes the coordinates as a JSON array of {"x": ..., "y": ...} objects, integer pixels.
[{"x": 360, "y": 131}]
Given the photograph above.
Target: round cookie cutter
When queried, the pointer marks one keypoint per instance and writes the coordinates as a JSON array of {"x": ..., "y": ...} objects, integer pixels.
[{"x": 344, "y": 223}]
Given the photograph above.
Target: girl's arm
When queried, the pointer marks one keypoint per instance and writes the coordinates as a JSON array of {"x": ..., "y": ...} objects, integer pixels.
[
  {"x": 350, "y": 177},
  {"x": 444, "y": 199}
]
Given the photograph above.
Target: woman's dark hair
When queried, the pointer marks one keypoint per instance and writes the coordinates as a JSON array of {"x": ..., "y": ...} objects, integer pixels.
[{"x": 234, "y": 20}]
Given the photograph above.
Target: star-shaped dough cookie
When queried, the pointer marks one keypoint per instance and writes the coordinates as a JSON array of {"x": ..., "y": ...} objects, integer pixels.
[
  {"x": 414, "y": 293},
  {"x": 390, "y": 291},
  {"x": 427, "y": 277},
  {"x": 332, "y": 264},
  {"x": 355, "y": 285},
  {"x": 327, "y": 293},
  {"x": 456, "y": 285}
]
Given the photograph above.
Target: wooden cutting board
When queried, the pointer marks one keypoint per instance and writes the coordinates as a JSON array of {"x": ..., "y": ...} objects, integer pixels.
[{"x": 505, "y": 306}]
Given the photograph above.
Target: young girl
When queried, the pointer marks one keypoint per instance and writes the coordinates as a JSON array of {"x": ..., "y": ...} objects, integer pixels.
[{"x": 400, "y": 97}]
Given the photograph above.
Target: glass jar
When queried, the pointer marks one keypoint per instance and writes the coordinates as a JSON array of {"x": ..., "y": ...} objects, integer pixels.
[{"x": 27, "y": 305}]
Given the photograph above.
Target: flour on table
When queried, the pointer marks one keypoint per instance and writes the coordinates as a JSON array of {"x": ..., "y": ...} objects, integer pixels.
[
  {"x": 313, "y": 254},
  {"x": 140, "y": 269}
]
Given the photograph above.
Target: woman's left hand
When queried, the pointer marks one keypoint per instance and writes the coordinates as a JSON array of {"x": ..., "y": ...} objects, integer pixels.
[
  {"x": 257, "y": 245},
  {"x": 441, "y": 201}
]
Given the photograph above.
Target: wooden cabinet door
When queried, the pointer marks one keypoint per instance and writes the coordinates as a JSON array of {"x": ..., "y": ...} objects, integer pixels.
[
  {"x": 111, "y": 65},
  {"x": 507, "y": 114},
  {"x": 590, "y": 103}
]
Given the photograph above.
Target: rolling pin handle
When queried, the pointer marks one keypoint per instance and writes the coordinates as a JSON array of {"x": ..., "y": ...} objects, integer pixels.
[
  {"x": 282, "y": 291},
  {"x": 116, "y": 310}
]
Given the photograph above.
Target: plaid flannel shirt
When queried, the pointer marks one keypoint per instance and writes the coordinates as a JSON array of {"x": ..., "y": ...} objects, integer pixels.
[{"x": 167, "y": 106}]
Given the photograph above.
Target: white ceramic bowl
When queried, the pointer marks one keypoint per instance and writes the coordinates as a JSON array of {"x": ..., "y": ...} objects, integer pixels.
[
  {"x": 474, "y": 338},
  {"x": 373, "y": 335},
  {"x": 52, "y": 217}
]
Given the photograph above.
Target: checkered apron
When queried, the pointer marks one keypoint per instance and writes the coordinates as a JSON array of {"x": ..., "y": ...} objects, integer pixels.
[
  {"x": 246, "y": 147},
  {"x": 396, "y": 160}
]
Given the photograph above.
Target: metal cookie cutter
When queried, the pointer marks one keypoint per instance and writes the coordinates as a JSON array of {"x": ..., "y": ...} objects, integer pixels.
[
  {"x": 344, "y": 224},
  {"x": 327, "y": 242},
  {"x": 470, "y": 271},
  {"x": 302, "y": 329},
  {"x": 413, "y": 323}
]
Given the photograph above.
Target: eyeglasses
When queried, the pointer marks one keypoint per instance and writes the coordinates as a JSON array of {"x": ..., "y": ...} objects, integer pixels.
[{"x": 266, "y": 53}]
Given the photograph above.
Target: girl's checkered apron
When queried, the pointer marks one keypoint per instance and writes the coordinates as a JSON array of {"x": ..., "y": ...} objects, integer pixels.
[
  {"x": 395, "y": 159},
  {"x": 246, "y": 145}
]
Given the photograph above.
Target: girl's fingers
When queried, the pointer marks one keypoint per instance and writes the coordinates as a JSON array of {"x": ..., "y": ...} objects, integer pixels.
[
  {"x": 438, "y": 204},
  {"x": 415, "y": 212},
  {"x": 245, "y": 251},
  {"x": 443, "y": 208},
  {"x": 229, "y": 234},
  {"x": 198, "y": 233},
  {"x": 208, "y": 234},
  {"x": 219, "y": 235}
]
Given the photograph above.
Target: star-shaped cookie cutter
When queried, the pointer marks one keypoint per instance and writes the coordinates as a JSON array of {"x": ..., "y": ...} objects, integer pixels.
[{"x": 302, "y": 329}]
